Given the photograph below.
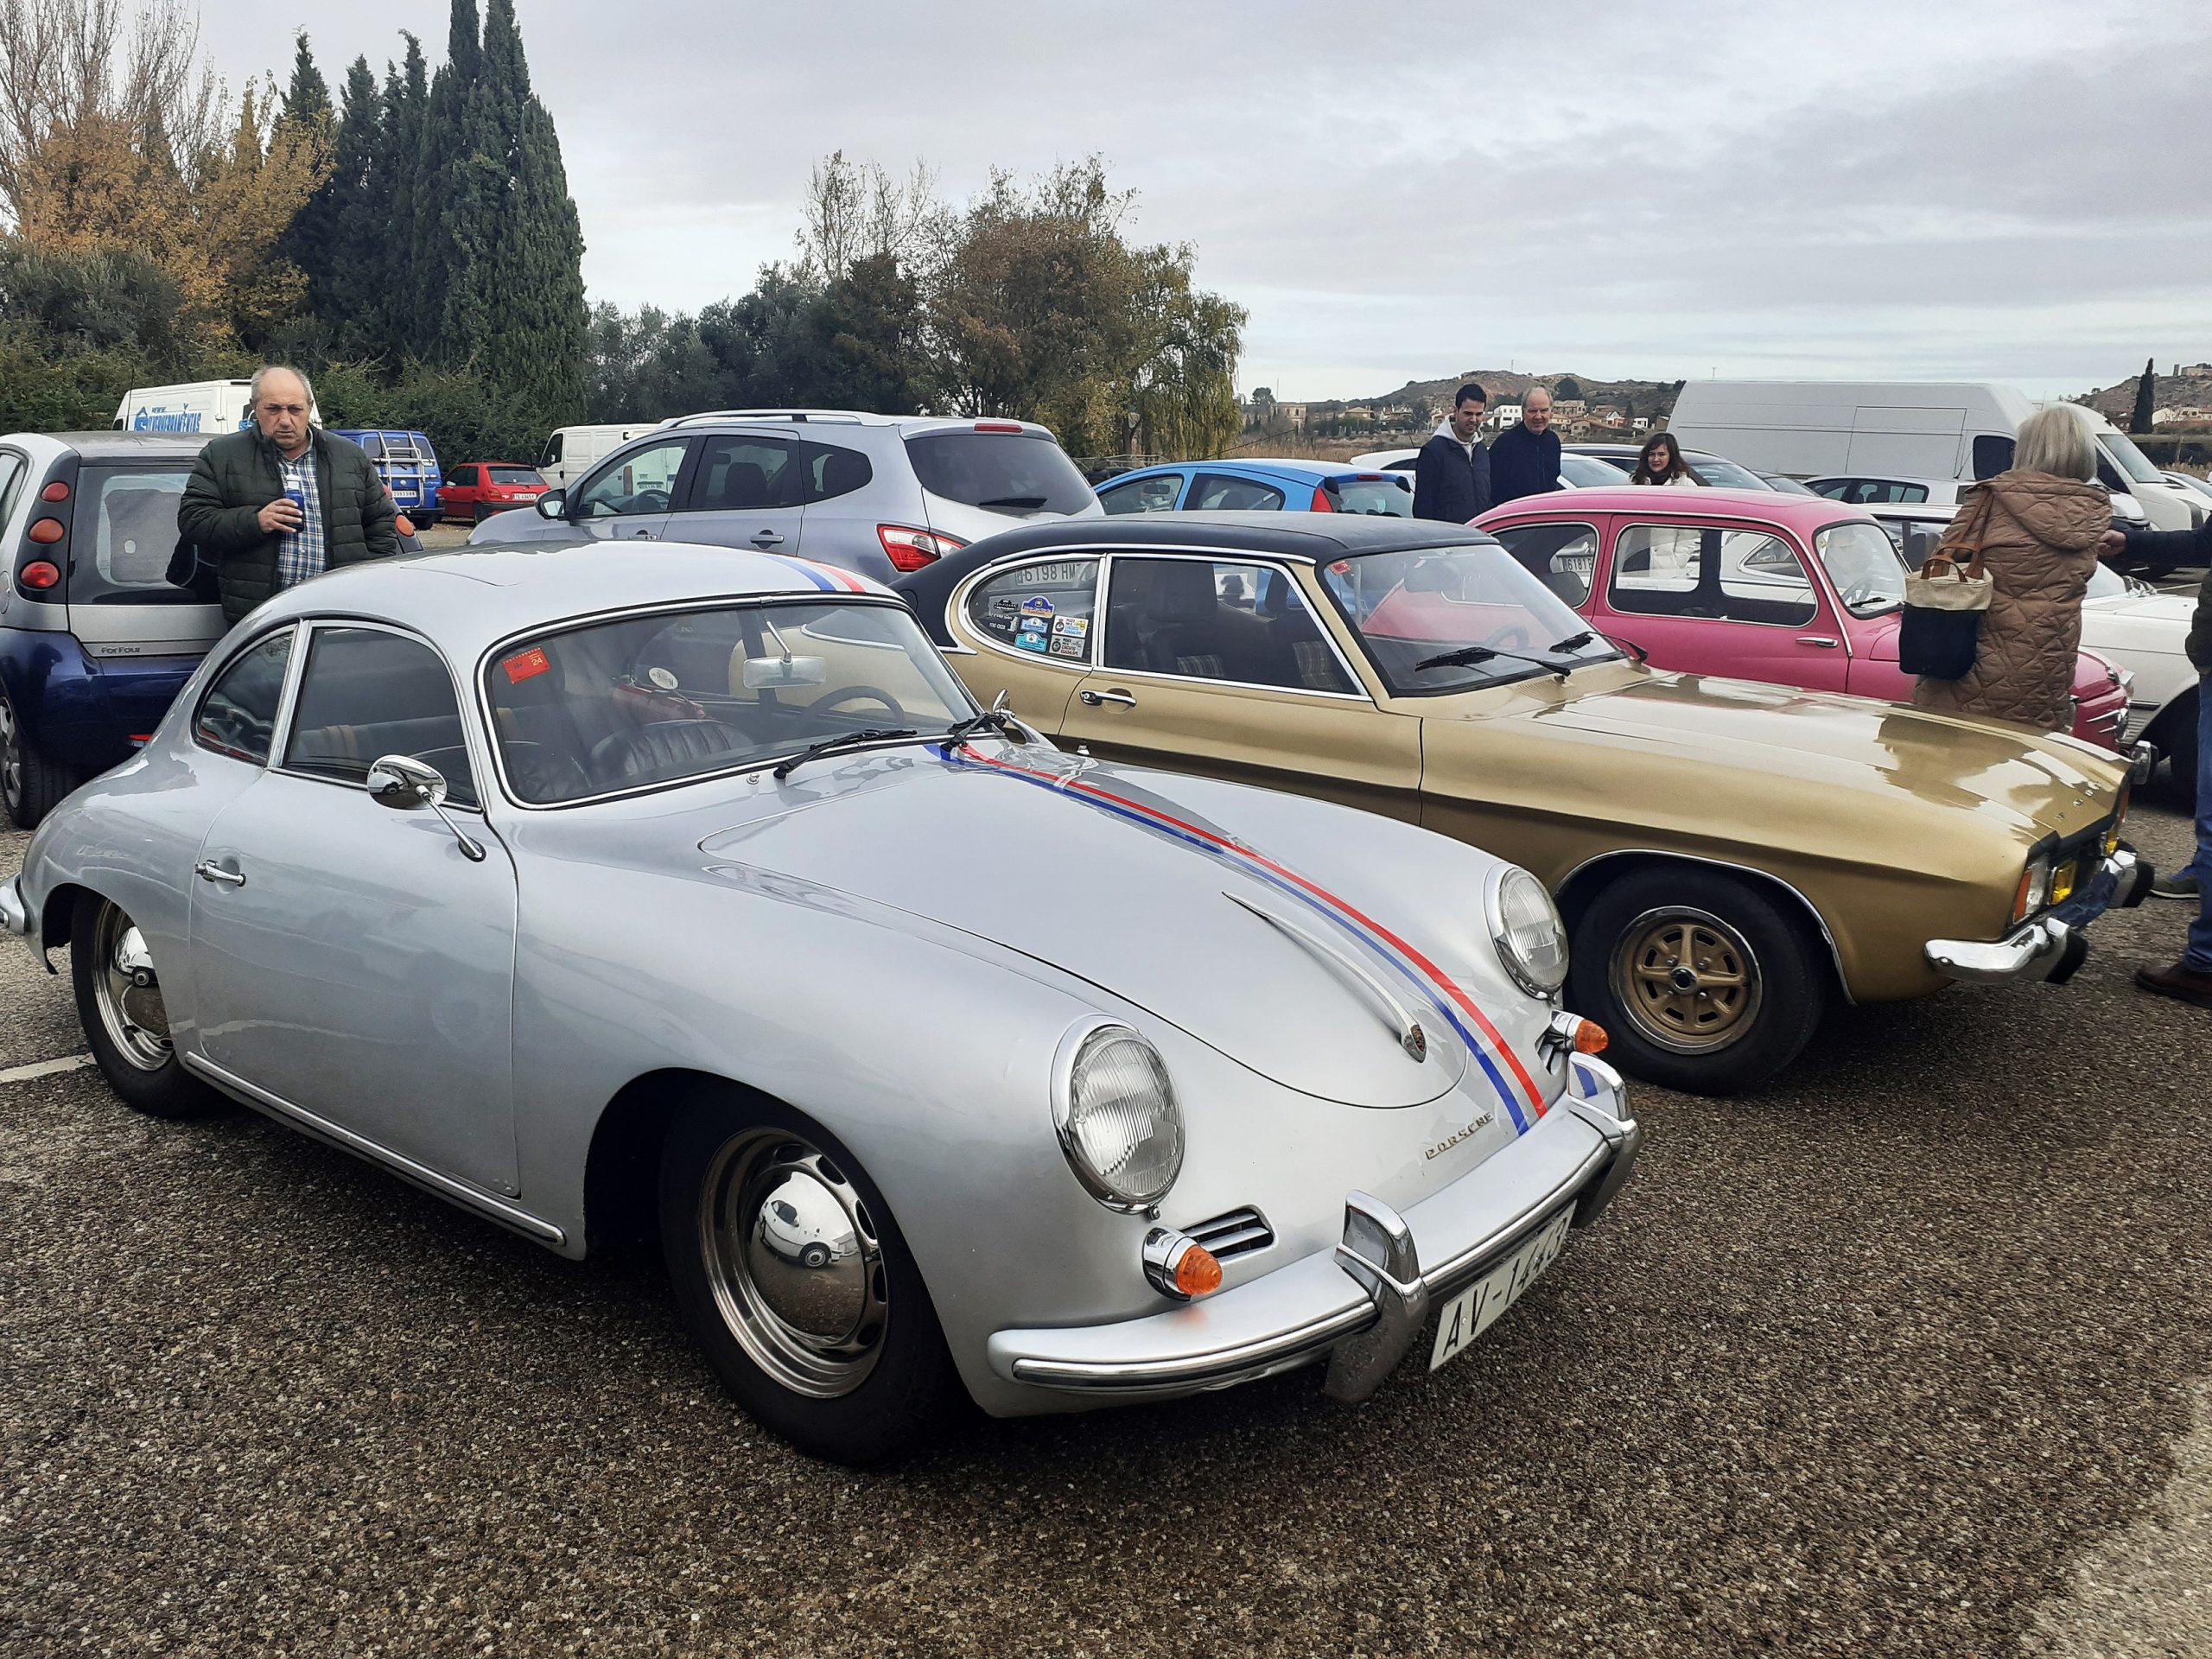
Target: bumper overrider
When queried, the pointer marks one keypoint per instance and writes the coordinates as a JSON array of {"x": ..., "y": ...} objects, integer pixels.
[
  {"x": 14, "y": 914},
  {"x": 1361, "y": 1304},
  {"x": 2054, "y": 944}
]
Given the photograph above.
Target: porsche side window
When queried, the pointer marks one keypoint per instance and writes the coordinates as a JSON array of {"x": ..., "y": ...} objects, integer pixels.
[
  {"x": 1245, "y": 623},
  {"x": 642, "y": 481},
  {"x": 238, "y": 717},
  {"x": 1047, "y": 610},
  {"x": 1734, "y": 575},
  {"x": 366, "y": 694},
  {"x": 1561, "y": 557}
]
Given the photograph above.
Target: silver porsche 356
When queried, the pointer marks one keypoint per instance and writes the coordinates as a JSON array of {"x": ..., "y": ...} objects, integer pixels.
[{"x": 943, "y": 1058}]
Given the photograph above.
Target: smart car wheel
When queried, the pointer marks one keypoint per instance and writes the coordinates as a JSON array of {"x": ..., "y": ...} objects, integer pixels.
[
  {"x": 126, "y": 1024},
  {"x": 31, "y": 784},
  {"x": 791, "y": 1273},
  {"x": 1703, "y": 981}
]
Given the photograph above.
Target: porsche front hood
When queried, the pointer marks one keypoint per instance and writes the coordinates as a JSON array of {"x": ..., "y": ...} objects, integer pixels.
[{"x": 1100, "y": 882}]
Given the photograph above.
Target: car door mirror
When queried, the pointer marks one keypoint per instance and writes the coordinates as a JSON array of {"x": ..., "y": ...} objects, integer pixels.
[
  {"x": 554, "y": 504},
  {"x": 406, "y": 784}
]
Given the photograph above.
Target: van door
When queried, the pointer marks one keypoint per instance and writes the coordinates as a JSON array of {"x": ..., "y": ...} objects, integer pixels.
[{"x": 1913, "y": 442}]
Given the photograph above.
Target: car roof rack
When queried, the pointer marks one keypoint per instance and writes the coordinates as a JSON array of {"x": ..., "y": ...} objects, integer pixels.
[{"x": 807, "y": 416}]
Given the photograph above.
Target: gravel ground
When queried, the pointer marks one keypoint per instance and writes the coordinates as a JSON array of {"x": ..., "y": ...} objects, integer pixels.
[{"x": 1899, "y": 1357}]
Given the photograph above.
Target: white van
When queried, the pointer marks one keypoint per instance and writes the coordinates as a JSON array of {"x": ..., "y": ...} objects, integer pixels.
[
  {"x": 207, "y": 407},
  {"x": 1911, "y": 429},
  {"x": 572, "y": 449}
]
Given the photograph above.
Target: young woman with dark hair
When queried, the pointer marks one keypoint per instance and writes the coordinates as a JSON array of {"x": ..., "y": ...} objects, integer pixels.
[{"x": 1651, "y": 470}]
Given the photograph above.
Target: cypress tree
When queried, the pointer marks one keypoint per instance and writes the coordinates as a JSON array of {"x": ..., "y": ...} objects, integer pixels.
[
  {"x": 530, "y": 306},
  {"x": 308, "y": 97},
  {"x": 344, "y": 291},
  {"x": 308, "y": 240},
  {"x": 452, "y": 200},
  {"x": 2146, "y": 397},
  {"x": 401, "y": 266}
]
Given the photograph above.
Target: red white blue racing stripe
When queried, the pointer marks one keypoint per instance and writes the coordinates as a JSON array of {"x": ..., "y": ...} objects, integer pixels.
[
  {"x": 828, "y": 577},
  {"x": 1524, "y": 1104}
]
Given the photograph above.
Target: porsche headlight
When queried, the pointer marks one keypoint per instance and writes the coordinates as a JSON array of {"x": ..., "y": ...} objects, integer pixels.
[
  {"x": 1114, "y": 1108},
  {"x": 1531, "y": 940}
]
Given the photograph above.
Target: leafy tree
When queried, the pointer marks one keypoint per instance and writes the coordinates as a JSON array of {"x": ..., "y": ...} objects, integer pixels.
[
  {"x": 1568, "y": 387},
  {"x": 2146, "y": 392}
]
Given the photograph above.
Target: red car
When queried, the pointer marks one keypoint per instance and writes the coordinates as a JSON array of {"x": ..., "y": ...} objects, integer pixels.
[
  {"x": 477, "y": 489},
  {"x": 1755, "y": 585}
]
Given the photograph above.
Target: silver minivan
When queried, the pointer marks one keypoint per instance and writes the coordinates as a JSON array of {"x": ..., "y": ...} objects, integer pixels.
[{"x": 880, "y": 494}]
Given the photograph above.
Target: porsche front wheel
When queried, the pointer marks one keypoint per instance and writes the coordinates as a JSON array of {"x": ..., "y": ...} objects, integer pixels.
[
  {"x": 126, "y": 1023},
  {"x": 833, "y": 1343}
]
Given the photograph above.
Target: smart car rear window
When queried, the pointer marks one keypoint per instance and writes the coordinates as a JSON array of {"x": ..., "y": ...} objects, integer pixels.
[
  {"x": 1005, "y": 472},
  {"x": 122, "y": 535}
]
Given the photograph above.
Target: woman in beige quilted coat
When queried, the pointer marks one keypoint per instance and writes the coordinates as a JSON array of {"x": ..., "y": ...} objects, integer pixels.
[{"x": 2039, "y": 548}]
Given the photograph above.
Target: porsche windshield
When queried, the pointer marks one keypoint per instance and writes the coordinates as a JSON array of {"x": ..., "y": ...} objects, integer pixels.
[
  {"x": 1451, "y": 618},
  {"x": 660, "y": 699}
]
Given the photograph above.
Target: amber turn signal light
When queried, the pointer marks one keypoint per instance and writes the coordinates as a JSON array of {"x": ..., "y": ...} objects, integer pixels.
[
  {"x": 47, "y": 531},
  {"x": 1590, "y": 1038},
  {"x": 1176, "y": 1265}
]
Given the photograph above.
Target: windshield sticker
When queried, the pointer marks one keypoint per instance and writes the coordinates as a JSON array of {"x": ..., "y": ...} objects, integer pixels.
[
  {"x": 1038, "y": 603},
  {"x": 525, "y": 665},
  {"x": 1030, "y": 641},
  {"x": 1063, "y": 646},
  {"x": 1078, "y": 625}
]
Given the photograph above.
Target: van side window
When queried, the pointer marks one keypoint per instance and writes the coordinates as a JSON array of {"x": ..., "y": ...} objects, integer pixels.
[
  {"x": 238, "y": 717},
  {"x": 1991, "y": 454}
]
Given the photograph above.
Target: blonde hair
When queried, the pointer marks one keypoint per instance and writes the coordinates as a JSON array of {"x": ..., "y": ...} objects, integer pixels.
[{"x": 2056, "y": 440}]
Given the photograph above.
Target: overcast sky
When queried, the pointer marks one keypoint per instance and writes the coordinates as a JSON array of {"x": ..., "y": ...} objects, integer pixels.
[{"x": 2008, "y": 191}]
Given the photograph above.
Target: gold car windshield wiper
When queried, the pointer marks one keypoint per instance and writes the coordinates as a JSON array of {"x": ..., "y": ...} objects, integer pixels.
[
  {"x": 843, "y": 740},
  {"x": 1468, "y": 656}
]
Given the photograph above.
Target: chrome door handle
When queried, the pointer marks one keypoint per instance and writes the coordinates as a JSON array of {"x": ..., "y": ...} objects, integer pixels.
[
  {"x": 1092, "y": 699},
  {"x": 1820, "y": 640},
  {"x": 768, "y": 539},
  {"x": 641, "y": 535},
  {"x": 208, "y": 870}
]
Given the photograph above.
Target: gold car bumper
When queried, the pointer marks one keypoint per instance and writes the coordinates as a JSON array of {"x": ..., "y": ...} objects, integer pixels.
[{"x": 2051, "y": 947}]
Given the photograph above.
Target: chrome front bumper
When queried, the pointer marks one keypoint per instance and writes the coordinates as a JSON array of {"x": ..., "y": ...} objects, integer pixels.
[
  {"x": 1361, "y": 1304},
  {"x": 2053, "y": 946},
  {"x": 15, "y": 915}
]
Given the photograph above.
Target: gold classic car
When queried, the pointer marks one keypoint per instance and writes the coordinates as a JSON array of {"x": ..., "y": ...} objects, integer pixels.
[{"x": 1730, "y": 859}]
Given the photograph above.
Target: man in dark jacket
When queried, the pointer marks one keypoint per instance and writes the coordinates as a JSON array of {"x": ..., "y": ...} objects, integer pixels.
[
  {"x": 2189, "y": 979},
  {"x": 1451, "y": 472},
  {"x": 282, "y": 500},
  {"x": 1525, "y": 459}
]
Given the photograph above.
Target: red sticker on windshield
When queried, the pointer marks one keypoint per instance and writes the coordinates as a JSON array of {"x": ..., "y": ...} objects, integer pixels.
[
  {"x": 1341, "y": 568},
  {"x": 527, "y": 663}
]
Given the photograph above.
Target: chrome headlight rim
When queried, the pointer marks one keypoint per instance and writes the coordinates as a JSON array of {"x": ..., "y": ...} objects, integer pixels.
[
  {"x": 1079, "y": 1037},
  {"x": 1523, "y": 972}
]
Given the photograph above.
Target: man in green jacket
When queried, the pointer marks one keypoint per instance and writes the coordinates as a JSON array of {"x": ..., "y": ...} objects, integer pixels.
[{"x": 282, "y": 500}]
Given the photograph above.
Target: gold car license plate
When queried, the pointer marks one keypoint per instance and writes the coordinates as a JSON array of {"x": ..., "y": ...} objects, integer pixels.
[{"x": 1475, "y": 1309}]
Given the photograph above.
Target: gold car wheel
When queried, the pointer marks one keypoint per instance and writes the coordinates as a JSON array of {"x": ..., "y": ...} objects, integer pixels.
[{"x": 1687, "y": 981}]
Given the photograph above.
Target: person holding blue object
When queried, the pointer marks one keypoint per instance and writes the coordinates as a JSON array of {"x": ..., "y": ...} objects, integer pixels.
[{"x": 2189, "y": 979}]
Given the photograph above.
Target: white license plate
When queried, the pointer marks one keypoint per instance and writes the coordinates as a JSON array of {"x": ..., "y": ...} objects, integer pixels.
[{"x": 1475, "y": 1309}]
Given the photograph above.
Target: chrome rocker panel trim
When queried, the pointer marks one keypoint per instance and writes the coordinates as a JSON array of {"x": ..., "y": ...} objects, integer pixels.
[
  {"x": 1346, "y": 1305},
  {"x": 2050, "y": 947},
  {"x": 444, "y": 1187}
]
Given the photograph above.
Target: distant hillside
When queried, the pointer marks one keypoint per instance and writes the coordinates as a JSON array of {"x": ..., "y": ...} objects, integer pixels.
[
  {"x": 1648, "y": 397},
  {"x": 2190, "y": 386}
]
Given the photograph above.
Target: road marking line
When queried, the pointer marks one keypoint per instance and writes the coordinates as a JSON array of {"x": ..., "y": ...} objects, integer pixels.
[{"x": 44, "y": 1069}]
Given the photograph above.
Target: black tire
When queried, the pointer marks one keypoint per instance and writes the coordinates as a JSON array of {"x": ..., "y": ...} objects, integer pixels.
[
  {"x": 879, "y": 1389},
  {"x": 32, "y": 783},
  {"x": 1716, "y": 1022},
  {"x": 2181, "y": 747},
  {"x": 135, "y": 1056}
]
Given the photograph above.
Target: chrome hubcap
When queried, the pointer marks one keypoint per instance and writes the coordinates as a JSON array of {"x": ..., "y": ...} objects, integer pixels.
[
  {"x": 128, "y": 994},
  {"x": 796, "y": 1267},
  {"x": 1688, "y": 982}
]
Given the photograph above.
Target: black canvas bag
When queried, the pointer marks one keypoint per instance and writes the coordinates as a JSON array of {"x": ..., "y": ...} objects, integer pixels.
[{"x": 1945, "y": 601}]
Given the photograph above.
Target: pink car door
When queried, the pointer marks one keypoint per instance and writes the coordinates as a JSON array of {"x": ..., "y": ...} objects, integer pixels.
[
  {"x": 1708, "y": 596},
  {"x": 1560, "y": 552}
]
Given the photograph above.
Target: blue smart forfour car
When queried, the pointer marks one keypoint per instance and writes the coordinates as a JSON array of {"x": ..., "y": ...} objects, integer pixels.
[{"x": 1260, "y": 487}]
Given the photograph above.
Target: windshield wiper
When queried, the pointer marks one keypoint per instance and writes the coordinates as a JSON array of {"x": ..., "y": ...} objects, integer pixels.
[
  {"x": 1467, "y": 656},
  {"x": 1012, "y": 501},
  {"x": 843, "y": 740},
  {"x": 998, "y": 718},
  {"x": 1573, "y": 642}
]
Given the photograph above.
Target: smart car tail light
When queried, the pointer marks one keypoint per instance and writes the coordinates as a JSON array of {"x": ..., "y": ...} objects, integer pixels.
[
  {"x": 909, "y": 548},
  {"x": 1321, "y": 503},
  {"x": 40, "y": 573},
  {"x": 47, "y": 531}
]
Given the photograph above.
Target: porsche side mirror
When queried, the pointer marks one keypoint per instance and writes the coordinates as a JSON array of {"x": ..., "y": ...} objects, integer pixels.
[
  {"x": 554, "y": 504},
  {"x": 406, "y": 784}
]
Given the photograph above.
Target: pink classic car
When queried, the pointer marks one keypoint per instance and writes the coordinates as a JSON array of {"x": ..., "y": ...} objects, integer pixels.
[{"x": 1755, "y": 585}]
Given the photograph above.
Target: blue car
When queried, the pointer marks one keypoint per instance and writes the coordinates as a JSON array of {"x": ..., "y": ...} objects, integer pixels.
[
  {"x": 408, "y": 465},
  {"x": 1260, "y": 487}
]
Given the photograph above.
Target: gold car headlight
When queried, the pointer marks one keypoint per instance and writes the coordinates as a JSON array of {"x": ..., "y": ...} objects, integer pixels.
[
  {"x": 1524, "y": 923},
  {"x": 2034, "y": 891}
]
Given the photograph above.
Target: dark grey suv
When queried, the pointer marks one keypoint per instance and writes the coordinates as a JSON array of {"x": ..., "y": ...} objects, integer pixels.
[{"x": 881, "y": 494}]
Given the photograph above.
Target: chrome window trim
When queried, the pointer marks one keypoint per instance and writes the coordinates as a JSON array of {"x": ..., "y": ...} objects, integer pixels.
[
  {"x": 303, "y": 647},
  {"x": 956, "y": 606},
  {"x": 278, "y": 723},
  {"x": 1335, "y": 648},
  {"x": 669, "y": 608},
  {"x": 1805, "y": 562},
  {"x": 1835, "y": 954}
]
